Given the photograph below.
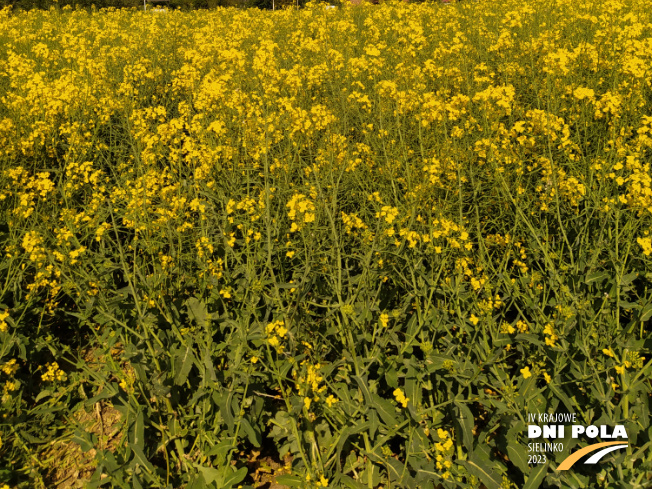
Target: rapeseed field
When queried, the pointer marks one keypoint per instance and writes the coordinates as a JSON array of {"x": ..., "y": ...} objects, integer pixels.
[{"x": 358, "y": 247}]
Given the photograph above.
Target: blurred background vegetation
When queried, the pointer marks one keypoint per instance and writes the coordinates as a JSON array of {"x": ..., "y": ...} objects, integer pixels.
[{"x": 183, "y": 4}]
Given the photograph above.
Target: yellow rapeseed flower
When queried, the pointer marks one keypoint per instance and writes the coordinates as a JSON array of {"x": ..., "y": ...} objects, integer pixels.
[
  {"x": 384, "y": 319},
  {"x": 646, "y": 244},
  {"x": 331, "y": 399},
  {"x": 400, "y": 397}
]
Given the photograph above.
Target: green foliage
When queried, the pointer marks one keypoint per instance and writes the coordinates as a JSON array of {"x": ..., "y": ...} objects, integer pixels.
[
  {"x": 365, "y": 241},
  {"x": 85, "y": 4}
]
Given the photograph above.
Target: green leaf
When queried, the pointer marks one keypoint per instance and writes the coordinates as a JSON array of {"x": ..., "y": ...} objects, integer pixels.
[
  {"x": 197, "y": 311},
  {"x": 413, "y": 327},
  {"x": 141, "y": 459},
  {"x": 220, "y": 451},
  {"x": 196, "y": 482},
  {"x": 362, "y": 383},
  {"x": 108, "y": 390},
  {"x": 413, "y": 386},
  {"x": 482, "y": 472},
  {"x": 234, "y": 478},
  {"x": 465, "y": 419},
  {"x": 182, "y": 364},
  {"x": 436, "y": 361},
  {"x": 385, "y": 410},
  {"x": 344, "y": 435},
  {"x": 391, "y": 377},
  {"x": 43, "y": 394},
  {"x": 135, "y": 482},
  {"x": 138, "y": 431},
  {"x": 372, "y": 472},
  {"x": 209, "y": 369},
  {"x": 209, "y": 474},
  {"x": 375, "y": 423},
  {"x": 628, "y": 279},
  {"x": 646, "y": 313},
  {"x": 347, "y": 481},
  {"x": 596, "y": 277},
  {"x": 529, "y": 338},
  {"x": 83, "y": 439},
  {"x": 398, "y": 472},
  {"x": 536, "y": 476},
  {"x": 290, "y": 480},
  {"x": 517, "y": 457},
  {"x": 562, "y": 397},
  {"x": 628, "y": 306},
  {"x": 224, "y": 403},
  {"x": 252, "y": 434}
]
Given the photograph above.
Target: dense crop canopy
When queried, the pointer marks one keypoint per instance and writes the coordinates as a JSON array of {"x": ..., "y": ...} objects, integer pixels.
[{"x": 364, "y": 240}]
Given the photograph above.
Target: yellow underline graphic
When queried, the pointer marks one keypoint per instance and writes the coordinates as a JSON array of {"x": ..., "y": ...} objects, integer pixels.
[{"x": 574, "y": 457}]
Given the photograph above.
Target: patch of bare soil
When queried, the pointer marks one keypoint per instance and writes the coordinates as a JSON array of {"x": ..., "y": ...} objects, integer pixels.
[
  {"x": 71, "y": 467},
  {"x": 264, "y": 470}
]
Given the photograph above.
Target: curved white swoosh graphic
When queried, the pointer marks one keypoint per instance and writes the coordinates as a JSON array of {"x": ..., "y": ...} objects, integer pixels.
[{"x": 596, "y": 458}]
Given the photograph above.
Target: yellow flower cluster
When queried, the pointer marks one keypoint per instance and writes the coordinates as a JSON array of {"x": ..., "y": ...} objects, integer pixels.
[
  {"x": 331, "y": 400},
  {"x": 32, "y": 188},
  {"x": 276, "y": 331},
  {"x": 629, "y": 359},
  {"x": 384, "y": 319},
  {"x": 321, "y": 482},
  {"x": 249, "y": 206},
  {"x": 204, "y": 247},
  {"x": 127, "y": 379},
  {"x": 387, "y": 212},
  {"x": 646, "y": 244},
  {"x": 502, "y": 97},
  {"x": 444, "y": 449},
  {"x": 301, "y": 211},
  {"x": 551, "y": 336},
  {"x": 352, "y": 223},
  {"x": 400, "y": 397},
  {"x": 522, "y": 326},
  {"x": 10, "y": 367},
  {"x": 3, "y": 323},
  {"x": 507, "y": 328},
  {"x": 581, "y": 93},
  {"x": 53, "y": 372},
  {"x": 309, "y": 384}
]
